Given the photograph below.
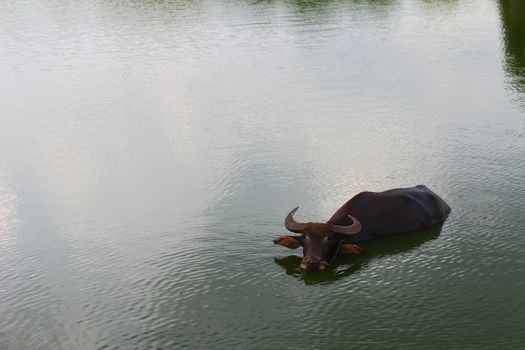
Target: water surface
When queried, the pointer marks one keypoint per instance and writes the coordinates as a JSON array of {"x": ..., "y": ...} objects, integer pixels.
[{"x": 150, "y": 150}]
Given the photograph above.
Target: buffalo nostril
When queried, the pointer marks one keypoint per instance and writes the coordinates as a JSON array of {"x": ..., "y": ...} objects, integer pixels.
[
  {"x": 323, "y": 265},
  {"x": 309, "y": 263}
]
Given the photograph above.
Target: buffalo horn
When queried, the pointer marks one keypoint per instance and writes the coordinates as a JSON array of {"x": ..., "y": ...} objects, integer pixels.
[
  {"x": 291, "y": 224},
  {"x": 353, "y": 229}
]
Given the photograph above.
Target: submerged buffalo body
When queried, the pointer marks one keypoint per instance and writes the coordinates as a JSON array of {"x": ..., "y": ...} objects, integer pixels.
[{"x": 365, "y": 216}]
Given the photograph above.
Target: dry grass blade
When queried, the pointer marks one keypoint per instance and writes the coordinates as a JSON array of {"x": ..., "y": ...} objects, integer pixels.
[{"x": 21, "y": 341}]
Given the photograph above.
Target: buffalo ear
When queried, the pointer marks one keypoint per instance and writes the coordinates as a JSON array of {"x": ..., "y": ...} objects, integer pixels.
[
  {"x": 351, "y": 249},
  {"x": 291, "y": 242}
]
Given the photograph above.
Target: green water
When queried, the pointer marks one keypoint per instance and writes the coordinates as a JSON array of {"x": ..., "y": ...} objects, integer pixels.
[{"x": 150, "y": 150}]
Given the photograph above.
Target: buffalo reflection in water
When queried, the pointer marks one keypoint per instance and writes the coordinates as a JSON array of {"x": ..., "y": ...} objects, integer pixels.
[{"x": 345, "y": 265}]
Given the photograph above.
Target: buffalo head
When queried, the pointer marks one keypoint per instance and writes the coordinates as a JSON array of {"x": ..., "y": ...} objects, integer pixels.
[{"x": 320, "y": 241}]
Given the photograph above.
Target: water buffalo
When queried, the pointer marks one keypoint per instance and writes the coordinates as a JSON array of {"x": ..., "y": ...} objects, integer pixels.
[{"x": 365, "y": 216}]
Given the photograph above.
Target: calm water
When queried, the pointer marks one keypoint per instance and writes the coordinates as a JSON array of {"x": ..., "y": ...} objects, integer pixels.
[{"x": 150, "y": 150}]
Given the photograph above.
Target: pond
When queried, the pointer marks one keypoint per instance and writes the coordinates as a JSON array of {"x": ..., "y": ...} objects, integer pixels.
[{"x": 150, "y": 150}]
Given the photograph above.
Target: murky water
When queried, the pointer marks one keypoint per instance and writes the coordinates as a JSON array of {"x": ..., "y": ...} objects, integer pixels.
[{"x": 150, "y": 150}]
